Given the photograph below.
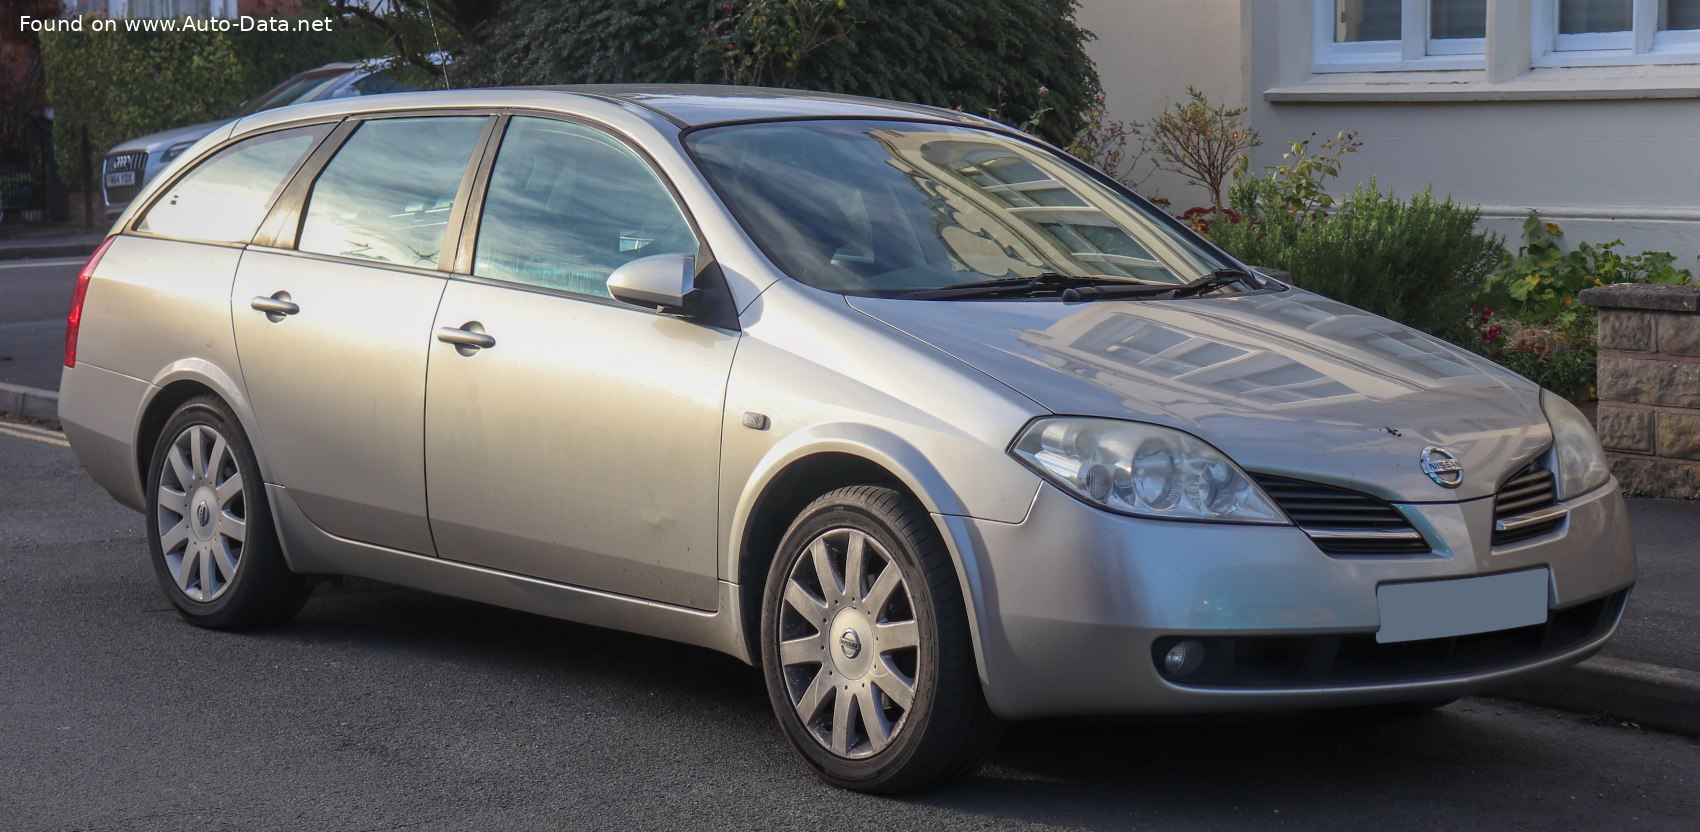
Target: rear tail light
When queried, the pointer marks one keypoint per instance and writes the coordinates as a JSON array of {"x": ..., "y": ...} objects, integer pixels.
[{"x": 74, "y": 318}]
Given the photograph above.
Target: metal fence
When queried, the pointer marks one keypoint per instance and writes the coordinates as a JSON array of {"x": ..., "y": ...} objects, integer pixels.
[{"x": 31, "y": 189}]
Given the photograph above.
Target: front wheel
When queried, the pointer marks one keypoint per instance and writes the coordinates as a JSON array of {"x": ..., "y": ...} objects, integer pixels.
[{"x": 866, "y": 648}]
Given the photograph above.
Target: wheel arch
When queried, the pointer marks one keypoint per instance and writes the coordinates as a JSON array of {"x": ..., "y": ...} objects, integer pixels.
[
  {"x": 177, "y": 384},
  {"x": 818, "y": 460}
]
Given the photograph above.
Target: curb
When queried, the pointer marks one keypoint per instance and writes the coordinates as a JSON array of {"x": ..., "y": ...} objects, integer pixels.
[
  {"x": 29, "y": 402},
  {"x": 1649, "y": 695},
  {"x": 31, "y": 252}
]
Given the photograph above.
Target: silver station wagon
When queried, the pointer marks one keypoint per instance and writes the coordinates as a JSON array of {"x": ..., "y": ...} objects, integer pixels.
[{"x": 928, "y": 420}]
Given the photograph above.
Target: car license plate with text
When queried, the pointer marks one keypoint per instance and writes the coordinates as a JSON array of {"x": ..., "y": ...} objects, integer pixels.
[
  {"x": 120, "y": 179},
  {"x": 1464, "y": 606}
]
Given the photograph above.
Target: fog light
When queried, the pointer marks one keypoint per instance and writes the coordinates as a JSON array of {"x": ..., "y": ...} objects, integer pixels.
[{"x": 1184, "y": 659}]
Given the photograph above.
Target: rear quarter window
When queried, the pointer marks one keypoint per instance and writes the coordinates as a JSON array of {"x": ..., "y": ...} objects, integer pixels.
[{"x": 224, "y": 199}]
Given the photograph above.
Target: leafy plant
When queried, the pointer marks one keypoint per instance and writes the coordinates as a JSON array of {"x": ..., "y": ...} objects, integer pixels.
[
  {"x": 172, "y": 79},
  {"x": 1103, "y": 143},
  {"x": 1200, "y": 140},
  {"x": 1542, "y": 281},
  {"x": 764, "y": 42},
  {"x": 978, "y": 55},
  {"x": 1561, "y": 356},
  {"x": 1417, "y": 260},
  {"x": 1300, "y": 184}
]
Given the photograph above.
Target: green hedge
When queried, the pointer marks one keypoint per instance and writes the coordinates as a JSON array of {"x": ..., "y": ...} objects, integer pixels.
[
  {"x": 122, "y": 85},
  {"x": 1014, "y": 58},
  {"x": 1418, "y": 261}
]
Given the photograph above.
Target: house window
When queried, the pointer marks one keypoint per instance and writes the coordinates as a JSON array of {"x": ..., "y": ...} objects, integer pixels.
[
  {"x": 1369, "y": 35},
  {"x": 1605, "y": 32}
]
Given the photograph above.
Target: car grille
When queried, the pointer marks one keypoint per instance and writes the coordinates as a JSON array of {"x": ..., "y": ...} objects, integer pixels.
[
  {"x": 1530, "y": 494},
  {"x": 119, "y": 196},
  {"x": 1341, "y": 521}
]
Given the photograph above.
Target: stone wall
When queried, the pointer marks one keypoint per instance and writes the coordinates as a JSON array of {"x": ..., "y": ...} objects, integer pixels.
[{"x": 1649, "y": 385}]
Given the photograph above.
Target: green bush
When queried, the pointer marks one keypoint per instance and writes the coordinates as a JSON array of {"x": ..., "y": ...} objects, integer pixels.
[
  {"x": 1011, "y": 59},
  {"x": 1527, "y": 317},
  {"x": 1418, "y": 261},
  {"x": 121, "y": 85},
  {"x": 1541, "y": 283}
]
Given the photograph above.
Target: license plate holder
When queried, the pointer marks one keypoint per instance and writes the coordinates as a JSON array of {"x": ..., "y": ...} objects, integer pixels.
[
  {"x": 1462, "y": 606},
  {"x": 120, "y": 179}
]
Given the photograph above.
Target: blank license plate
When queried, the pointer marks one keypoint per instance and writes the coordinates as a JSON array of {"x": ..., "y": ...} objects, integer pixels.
[
  {"x": 120, "y": 179},
  {"x": 1441, "y": 609}
]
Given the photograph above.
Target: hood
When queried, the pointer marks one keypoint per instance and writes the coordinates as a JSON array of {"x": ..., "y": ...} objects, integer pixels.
[
  {"x": 155, "y": 142},
  {"x": 1287, "y": 383}
]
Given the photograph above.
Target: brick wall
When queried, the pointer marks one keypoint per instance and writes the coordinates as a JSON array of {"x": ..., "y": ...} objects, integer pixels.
[{"x": 1649, "y": 384}]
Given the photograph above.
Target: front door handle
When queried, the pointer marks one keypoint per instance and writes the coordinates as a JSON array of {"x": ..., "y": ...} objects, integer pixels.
[
  {"x": 276, "y": 307},
  {"x": 468, "y": 338}
]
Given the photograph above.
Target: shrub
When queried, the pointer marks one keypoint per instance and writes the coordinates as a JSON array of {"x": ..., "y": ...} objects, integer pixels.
[
  {"x": 984, "y": 56},
  {"x": 169, "y": 80},
  {"x": 1418, "y": 261},
  {"x": 1541, "y": 283},
  {"x": 1200, "y": 140},
  {"x": 1561, "y": 356}
]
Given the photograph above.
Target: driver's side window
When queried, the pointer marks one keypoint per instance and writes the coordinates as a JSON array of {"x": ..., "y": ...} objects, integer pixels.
[{"x": 567, "y": 205}]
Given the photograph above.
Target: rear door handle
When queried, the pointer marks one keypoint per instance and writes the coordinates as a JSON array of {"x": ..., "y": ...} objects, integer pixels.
[
  {"x": 276, "y": 306},
  {"x": 467, "y": 338}
]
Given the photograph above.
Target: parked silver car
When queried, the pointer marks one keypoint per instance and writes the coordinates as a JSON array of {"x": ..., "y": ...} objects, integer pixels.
[
  {"x": 131, "y": 164},
  {"x": 933, "y": 423}
]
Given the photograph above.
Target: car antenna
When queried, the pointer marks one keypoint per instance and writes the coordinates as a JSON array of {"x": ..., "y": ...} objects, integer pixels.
[{"x": 448, "y": 84}]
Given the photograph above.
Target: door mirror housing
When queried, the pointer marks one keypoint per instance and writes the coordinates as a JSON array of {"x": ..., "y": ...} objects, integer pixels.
[{"x": 665, "y": 282}]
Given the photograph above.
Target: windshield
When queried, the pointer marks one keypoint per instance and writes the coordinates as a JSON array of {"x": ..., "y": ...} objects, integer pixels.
[
  {"x": 297, "y": 89},
  {"x": 890, "y": 208}
]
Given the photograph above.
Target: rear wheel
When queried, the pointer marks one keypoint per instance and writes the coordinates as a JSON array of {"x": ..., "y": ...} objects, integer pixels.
[
  {"x": 215, "y": 550},
  {"x": 866, "y": 648}
]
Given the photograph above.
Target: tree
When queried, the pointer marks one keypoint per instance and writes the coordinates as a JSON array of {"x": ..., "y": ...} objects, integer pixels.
[
  {"x": 416, "y": 30},
  {"x": 1011, "y": 59}
]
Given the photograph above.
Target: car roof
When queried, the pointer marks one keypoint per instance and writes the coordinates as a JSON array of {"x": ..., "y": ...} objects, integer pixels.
[
  {"x": 682, "y": 105},
  {"x": 697, "y": 105}
]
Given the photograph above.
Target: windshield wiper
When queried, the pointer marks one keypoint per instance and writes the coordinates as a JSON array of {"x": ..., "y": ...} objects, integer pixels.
[
  {"x": 1042, "y": 282},
  {"x": 1210, "y": 282}
]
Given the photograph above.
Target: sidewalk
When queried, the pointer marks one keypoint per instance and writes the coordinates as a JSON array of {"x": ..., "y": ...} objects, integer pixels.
[
  {"x": 29, "y": 242},
  {"x": 1650, "y": 673}
]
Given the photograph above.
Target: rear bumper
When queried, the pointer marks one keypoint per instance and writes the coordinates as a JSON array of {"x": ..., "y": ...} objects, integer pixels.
[
  {"x": 100, "y": 410},
  {"x": 1074, "y": 606}
]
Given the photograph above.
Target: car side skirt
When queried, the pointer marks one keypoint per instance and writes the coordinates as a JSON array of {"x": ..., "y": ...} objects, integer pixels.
[{"x": 312, "y": 551}]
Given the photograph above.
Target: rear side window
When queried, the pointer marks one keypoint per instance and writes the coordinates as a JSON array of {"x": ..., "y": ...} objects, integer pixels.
[
  {"x": 224, "y": 198},
  {"x": 568, "y": 205},
  {"x": 387, "y": 193}
]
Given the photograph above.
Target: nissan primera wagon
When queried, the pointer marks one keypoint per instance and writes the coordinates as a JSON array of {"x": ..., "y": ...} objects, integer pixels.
[{"x": 933, "y": 423}]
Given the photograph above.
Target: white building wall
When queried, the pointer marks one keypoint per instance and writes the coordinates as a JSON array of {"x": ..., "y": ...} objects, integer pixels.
[
  {"x": 1607, "y": 152},
  {"x": 1148, "y": 51}
]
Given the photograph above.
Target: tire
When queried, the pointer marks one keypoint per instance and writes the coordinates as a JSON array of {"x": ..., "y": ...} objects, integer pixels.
[
  {"x": 210, "y": 532},
  {"x": 896, "y": 652}
]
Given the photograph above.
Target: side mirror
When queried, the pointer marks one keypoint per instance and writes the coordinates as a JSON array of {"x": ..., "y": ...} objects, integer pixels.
[{"x": 663, "y": 281}]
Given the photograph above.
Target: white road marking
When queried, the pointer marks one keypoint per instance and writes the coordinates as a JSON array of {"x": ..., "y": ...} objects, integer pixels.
[
  {"x": 35, "y": 437},
  {"x": 26, "y": 426},
  {"x": 31, "y": 264}
]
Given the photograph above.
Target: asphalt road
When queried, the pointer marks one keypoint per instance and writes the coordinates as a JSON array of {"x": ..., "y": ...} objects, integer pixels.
[
  {"x": 382, "y": 708},
  {"x": 34, "y": 295}
]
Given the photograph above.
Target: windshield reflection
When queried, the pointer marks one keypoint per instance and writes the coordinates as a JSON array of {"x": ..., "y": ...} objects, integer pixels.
[{"x": 868, "y": 207}]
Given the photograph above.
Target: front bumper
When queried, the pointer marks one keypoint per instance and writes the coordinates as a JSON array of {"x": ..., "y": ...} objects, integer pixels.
[{"x": 1073, "y": 605}]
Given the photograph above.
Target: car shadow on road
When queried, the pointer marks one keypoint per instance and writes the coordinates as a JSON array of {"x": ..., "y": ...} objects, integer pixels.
[{"x": 1098, "y": 772}]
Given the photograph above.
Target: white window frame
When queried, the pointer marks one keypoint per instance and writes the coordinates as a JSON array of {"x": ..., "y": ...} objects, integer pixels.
[
  {"x": 1642, "y": 44},
  {"x": 1415, "y": 50}
]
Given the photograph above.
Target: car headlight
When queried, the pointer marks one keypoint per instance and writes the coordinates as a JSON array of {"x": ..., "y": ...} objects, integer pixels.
[
  {"x": 174, "y": 151},
  {"x": 1582, "y": 465},
  {"x": 1141, "y": 469}
]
